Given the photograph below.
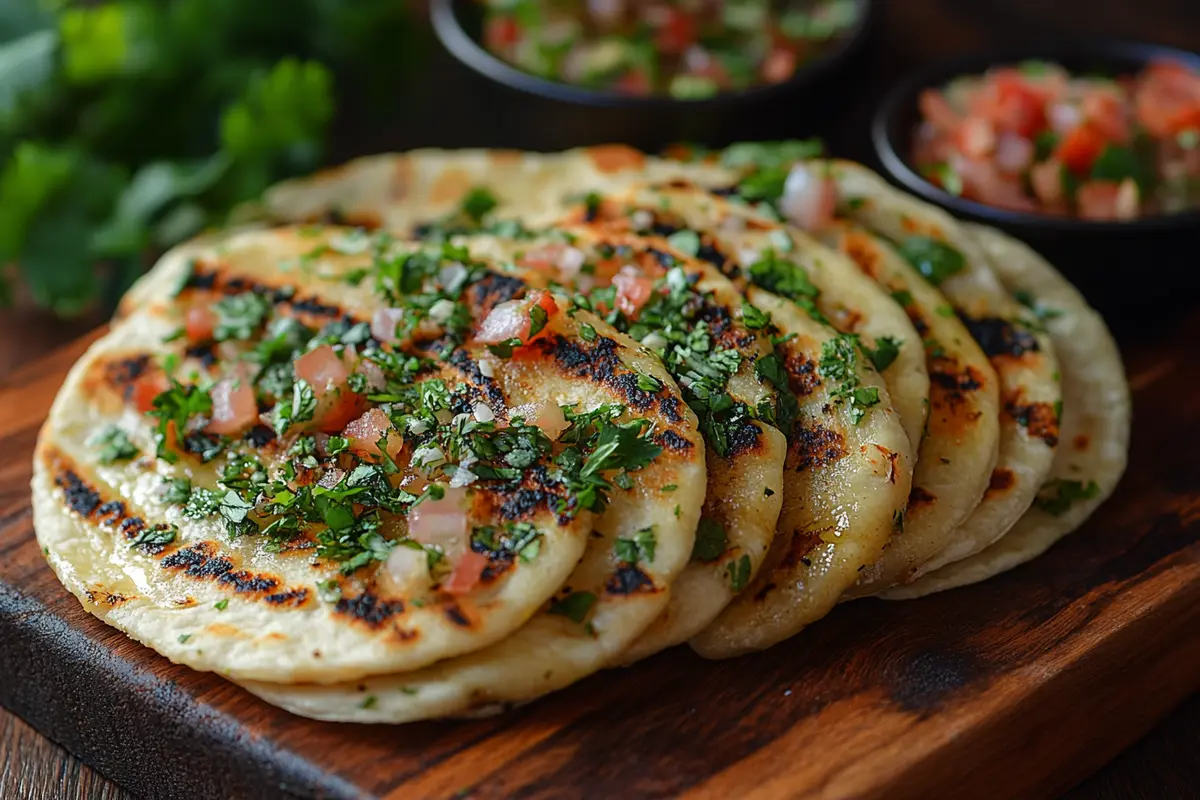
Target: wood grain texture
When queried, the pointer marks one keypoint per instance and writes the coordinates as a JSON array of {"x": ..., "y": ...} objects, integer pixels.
[{"x": 1018, "y": 687}]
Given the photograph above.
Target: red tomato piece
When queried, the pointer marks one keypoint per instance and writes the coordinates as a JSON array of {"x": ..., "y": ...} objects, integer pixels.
[
  {"x": 365, "y": 432},
  {"x": 779, "y": 65},
  {"x": 513, "y": 319},
  {"x": 501, "y": 33},
  {"x": 1080, "y": 148},
  {"x": 323, "y": 369},
  {"x": 635, "y": 81},
  {"x": 1097, "y": 200},
  {"x": 200, "y": 324},
  {"x": 633, "y": 291},
  {"x": 938, "y": 111},
  {"x": 145, "y": 389},
  {"x": 1105, "y": 112},
  {"x": 467, "y": 574},
  {"x": 677, "y": 33},
  {"x": 234, "y": 407}
]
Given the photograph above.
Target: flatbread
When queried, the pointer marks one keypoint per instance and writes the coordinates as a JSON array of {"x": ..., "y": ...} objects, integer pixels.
[
  {"x": 1095, "y": 420},
  {"x": 961, "y": 442},
  {"x": 739, "y": 235},
  {"x": 237, "y": 606},
  {"x": 745, "y": 453},
  {"x": 1022, "y": 355},
  {"x": 849, "y": 476}
]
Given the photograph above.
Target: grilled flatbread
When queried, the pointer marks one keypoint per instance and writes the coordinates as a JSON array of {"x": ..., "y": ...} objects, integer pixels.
[
  {"x": 959, "y": 449},
  {"x": 686, "y": 312},
  {"x": 271, "y": 550},
  {"x": 1022, "y": 355},
  {"x": 1095, "y": 419}
]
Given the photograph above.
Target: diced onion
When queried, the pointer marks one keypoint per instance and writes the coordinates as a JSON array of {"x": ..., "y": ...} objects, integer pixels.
[
  {"x": 384, "y": 323},
  {"x": 486, "y": 369},
  {"x": 441, "y": 311},
  {"x": 428, "y": 456},
  {"x": 452, "y": 277},
  {"x": 641, "y": 220},
  {"x": 484, "y": 413},
  {"x": 654, "y": 340}
]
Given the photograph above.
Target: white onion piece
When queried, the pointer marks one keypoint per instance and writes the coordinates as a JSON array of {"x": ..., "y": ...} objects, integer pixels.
[
  {"x": 442, "y": 523},
  {"x": 405, "y": 569},
  {"x": 483, "y": 413},
  {"x": 654, "y": 340},
  {"x": 570, "y": 261},
  {"x": 809, "y": 199},
  {"x": 544, "y": 414},
  {"x": 641, "y": 220},
  {"x": 1064, "y": 117},
  {"x": 384, "y": 323},
  {"x": 1013, "y": 153},
  {"x": 428, "y": 456},
  {"x": 452, "y": 277},
  {"x": 441, "y": 311}
]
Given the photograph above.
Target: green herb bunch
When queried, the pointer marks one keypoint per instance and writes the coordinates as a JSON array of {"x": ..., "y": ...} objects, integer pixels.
[{"x": 129, "y": 125}]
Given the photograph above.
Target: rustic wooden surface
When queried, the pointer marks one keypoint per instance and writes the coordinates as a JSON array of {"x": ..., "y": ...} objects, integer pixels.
[
  {"x": 1165, "y": 764},
  {"x": 1017, "y": 687}
]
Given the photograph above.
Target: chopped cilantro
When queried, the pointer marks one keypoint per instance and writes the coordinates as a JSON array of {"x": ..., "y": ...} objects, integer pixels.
[
  {"x": 183, "y": 637},
  {"x": 934, "y": 259},
  {"x": 754, "y": 318},
  {"x": 1057, "y": 496},
  {"x": 903, "y": 297},
  {"x": 537, "y": 319},
  {"x": 201, "y": 503},
  {"x": 839, "y": 365},
  {"x": 329, "y": 590},
  {"x": 294, "y": 410},
  {"x": 176, "y": 491},
  {"x": 1041, "y": 312},
  {"x": 887, "y": 348},
  {"x": 478, "y": 203},
  {"x": 648, "y": 383},
  {"x": 114, "y": 445},
  {"x": 368, "y": 702},
  {"x": 174, "y": 409},
  {"x": 685, "y": 241},
  {"x": 711, "y": 540},
  {"x": 156, "y": 536},
  {"x": 739, "y": 573},
  {"x": 239, "y": 316},
  {"x": 1116, "y": 163},
  {"x": 221, "y": 604},
  {"x": 587, "y": 332},
  {"x": 638, "y": 548},
  {"x": 519, "y": 539},
  {"x": 574, "y": 606},
  {"x": 782, "y": 277}
]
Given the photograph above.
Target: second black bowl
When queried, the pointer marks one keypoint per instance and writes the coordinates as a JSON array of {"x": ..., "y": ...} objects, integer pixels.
[{"x": 1127, "y": 269}]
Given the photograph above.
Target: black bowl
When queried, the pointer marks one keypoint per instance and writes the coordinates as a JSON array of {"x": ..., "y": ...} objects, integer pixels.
[
  {"x": 1130, "y": 268},
  {"x": 540, "y": 114}
]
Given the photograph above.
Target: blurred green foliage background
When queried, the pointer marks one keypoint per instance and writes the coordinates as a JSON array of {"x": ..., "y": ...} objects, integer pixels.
[{"x": 129, "y": 125}]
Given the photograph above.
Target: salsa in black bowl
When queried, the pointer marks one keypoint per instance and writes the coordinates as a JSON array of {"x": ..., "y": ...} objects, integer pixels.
[
  {"x": 646, "y": 86},
  {"x": 1098, "y": 219}
]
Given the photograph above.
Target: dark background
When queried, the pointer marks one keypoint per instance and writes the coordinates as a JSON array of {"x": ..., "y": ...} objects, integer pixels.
[{"x": 450, "y": 108}]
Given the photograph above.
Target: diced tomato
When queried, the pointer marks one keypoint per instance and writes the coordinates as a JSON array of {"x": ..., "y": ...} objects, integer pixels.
[
  {"x": 676, "y": 33},
  {"x": 501, "y": 32},
  {"x": 635, "y": 81},
  {"x": 1014, "y": 153},
  {"x": 1097, "y": 200},
  {"x": 326, "y": 373},
  {"x": 779, "y": 65},
  {"x": 983, "y": 181},
  {"x": 467, "y": 573},
  {"x": 1167, "y": 99},
  {"x": 938, "y": 111},
  {"x": 145, "y": 389},
  {"x": 234, "y": 407},
  {"x": 1080, "y": 148},
  {"x": 365, "y": 432},
  {"x": 1020, "y": 107},
  {"x": 199, "y": 324},
  {"x": 633, "y": 291},
  {"x": 442, "y": 522},
  {"x": 1105, "y": 112},
  {"x": 323, "y": 368},
  {"x": 513, "y": 319}
]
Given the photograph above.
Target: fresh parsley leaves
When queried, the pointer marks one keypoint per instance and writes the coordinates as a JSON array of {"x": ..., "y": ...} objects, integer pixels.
[
  {"x": 576, "y": 606},
  {"x": 711, "y": 540},
  {"x": 934, "y": 259},
  {"x": 114, "y": 445},
  {"x": 638, "y": 548}
]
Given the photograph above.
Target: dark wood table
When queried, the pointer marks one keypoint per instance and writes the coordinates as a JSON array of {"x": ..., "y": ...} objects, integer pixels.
[{"x": 1164, "y": 764}]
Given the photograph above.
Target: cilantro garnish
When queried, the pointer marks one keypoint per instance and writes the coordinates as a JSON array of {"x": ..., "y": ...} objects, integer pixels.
[
  {"x": 903, "y": 297},
  {"x": 157, "y": 536},
  {"x": 839, "y": 365},
  {"x": 1057, "y": 496},
  {"x": 638, "y": 548},
  {"x": 754, "y": 318},
  {"x": 239, "y": 316},
  {"x": 934, "y": 259},
  {"x": 520, "y": 539},
  {"x": 174, "y": 409},
  {"x": 887, "y": 348},
  {"x": 782, "y": 277},
  {"x": 574, "y": 606},
  {"x": 221, "y": 604},
  {"x": 201, "y": 503},
  {"x": 711, "y": 540},
  {"x": 587, "y": 332},
  {"x": 294, "y": 410},
  {"x": 685, "y": 241},
  {"x": 114, "y": 445},
  {"x": 1041, "y": 312},
  {"x": 176, "y": 491},
  {"x": 477, "y": 203},
  {"x": 739, "y": 573}
]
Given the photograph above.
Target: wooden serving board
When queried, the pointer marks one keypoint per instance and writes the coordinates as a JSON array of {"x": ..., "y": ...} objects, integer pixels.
[{"x": 1018, "y": 687}]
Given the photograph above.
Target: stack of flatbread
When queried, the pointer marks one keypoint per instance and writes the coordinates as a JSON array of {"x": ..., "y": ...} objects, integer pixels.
[{"x": 439, "y": 433}]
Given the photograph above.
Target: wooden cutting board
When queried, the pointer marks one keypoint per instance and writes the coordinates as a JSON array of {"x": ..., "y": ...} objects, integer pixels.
[{"x": 1018, "y": 687}]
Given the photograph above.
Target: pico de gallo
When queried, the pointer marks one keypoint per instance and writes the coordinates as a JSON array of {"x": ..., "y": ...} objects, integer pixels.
[
  {"x": 1035, "y": 138},
  {"x": 689, "y": 49}
]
